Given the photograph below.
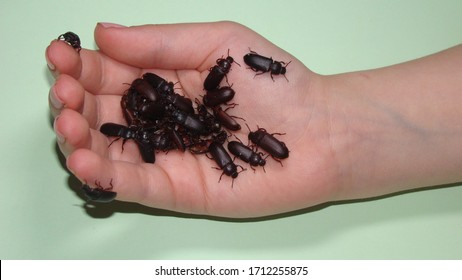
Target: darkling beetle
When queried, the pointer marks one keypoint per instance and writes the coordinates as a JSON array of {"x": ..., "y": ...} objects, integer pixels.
[
  {"x": 218, "y": 96},
  {"x": 72, "y": 39},
  {"x": 259, "y": 63},
  {"x": 145, "y": 89},
  {"x": 99, "y": 194},
  {"x": 182, "y": 103},
  {"x": 147, "y": 142},
  {"x": 224, "y": 161},
  {"x": 159, "y": 83},
  {"x": 226, "y": 120},
  {"x": 246, "y": 154},
  {"x": 269, "y": 143},
  {"x": 218, "y": 72},
  {"x": 190, "y": 121}
]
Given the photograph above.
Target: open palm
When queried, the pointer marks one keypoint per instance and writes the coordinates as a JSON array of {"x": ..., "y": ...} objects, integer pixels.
[{"x": 90, "y": 85}]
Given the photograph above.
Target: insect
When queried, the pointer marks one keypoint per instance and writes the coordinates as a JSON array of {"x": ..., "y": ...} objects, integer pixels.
[
  {"x": 159, "y": 83},
  {"x": 180, "y": 102},
  {"x": 269, "y": 143},
  {"x": 222, "y": 158},
  {"x": 72, "y": 39},
  {"x": 218, "y": 72},
  {"x": 218, "y": 96},
  {"x": 117, "y": 130},
  {"x": 213, "y": 125},
  {"x": 99, "y": 194},
  {"x": 246, "y": 154},
  {"x": 146, "y": 140},
  {"x": 226, "y": 120},
  {"x": 151, "y": 111},
  {"x": 175, "y": 138},
  {"x": 145, "y": 89},
  {"x": 190, "y": 121},
  {"x": 259, "y": 63}
]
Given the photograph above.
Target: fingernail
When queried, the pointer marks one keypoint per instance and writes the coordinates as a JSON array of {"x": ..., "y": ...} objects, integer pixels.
[
  {"x": 109, "y": 25},
  {"x": 59, "y": 137},
  {"x": 51, "y": 66},
  {"x": 54, "y": 99}
]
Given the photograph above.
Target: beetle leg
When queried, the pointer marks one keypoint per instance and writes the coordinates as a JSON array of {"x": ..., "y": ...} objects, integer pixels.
[
  {"x": 278, "y": 160},
  {"x": 114, "y": 141}
]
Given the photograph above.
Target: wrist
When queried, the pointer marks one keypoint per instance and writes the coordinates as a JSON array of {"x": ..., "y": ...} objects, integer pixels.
[{"x": 386, "y": 140}]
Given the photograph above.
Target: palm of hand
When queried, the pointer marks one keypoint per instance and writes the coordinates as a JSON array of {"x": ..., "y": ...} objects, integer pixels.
[{"x": 185, "y": 182}]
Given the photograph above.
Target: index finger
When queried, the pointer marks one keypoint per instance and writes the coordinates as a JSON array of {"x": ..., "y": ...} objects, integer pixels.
[{"x": 96, "y": 72}]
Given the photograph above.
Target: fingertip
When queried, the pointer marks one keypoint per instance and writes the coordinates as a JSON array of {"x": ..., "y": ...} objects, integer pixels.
[
  {"x": 82, "y": 163},
  {"x": 62, "y": 58},
  {"x": 103, "y": 31},
  {"x": 67, "y": 92},
  {"x": 72, "y": 131},
  {"x": 106, "y": 25},
  {"x": 50, "y": 64},
  {"x": 54, "y": 102},
  {"x": 123, "y": 43}
]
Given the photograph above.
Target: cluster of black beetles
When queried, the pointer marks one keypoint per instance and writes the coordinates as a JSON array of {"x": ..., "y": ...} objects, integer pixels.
[{"x": 158, "y": 119}]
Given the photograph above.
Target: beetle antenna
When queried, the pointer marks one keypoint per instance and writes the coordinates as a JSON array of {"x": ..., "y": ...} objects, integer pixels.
[
  {"x": 248, "y": 127},
  {"x": 237, "y": 138}
]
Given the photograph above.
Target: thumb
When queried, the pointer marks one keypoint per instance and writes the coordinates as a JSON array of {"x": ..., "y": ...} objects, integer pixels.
[{"x": 167, "y": 46}]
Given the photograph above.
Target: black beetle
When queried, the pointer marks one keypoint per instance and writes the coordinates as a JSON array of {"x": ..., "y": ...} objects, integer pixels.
[
  {"x": 147, "y": 152},
  {"x": 218, "y": 96},
  {"x": 177, "y": 140},
  {"x": 72, "y": 39},
  {"x": 226, "y": 120},
  {"x": 218, "y": 72},
  {"x": 151, "y": 111},
  {"x": 190, "y": 121},
  {"x": 147, "y": 142},
  {"x": 142, "y": 103},
  {"x": 269, "y": 143},
  {"x": 99, "y": 194},
  {"x": 159, "y": 83},
  {"x": 158, "y": 141},
  {"x": 213, "y": 125},
  {"x": 180, "y": 102},
  {"x": 145, "y": 89},
  {"x": 117, "y": 130},
  {"x": 222, "y": 158},
  {"x": 265, "y": 64},
  {"x": 129, "y": 103},
  {"x": 246, "y": 154}
]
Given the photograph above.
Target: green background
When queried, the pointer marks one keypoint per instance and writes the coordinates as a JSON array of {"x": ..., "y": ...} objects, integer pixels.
[{"x": 42, "y": 216}]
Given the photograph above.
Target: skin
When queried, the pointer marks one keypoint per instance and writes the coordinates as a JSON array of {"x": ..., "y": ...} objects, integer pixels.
[{"x": 352, "y": 135}]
